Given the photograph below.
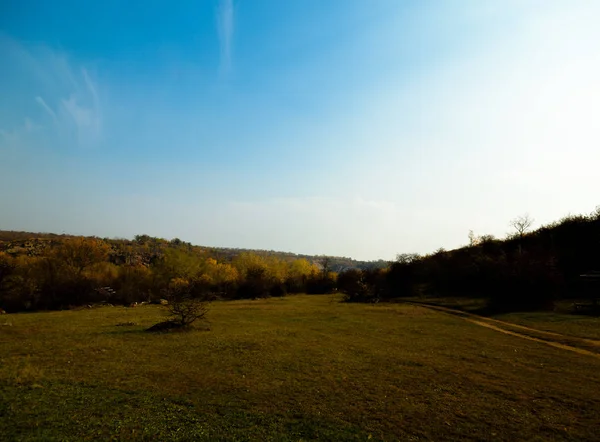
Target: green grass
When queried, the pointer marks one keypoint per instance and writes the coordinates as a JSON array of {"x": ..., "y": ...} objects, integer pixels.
[
  {"x": 562, "y": 320},
  {"x": 296, "y": 368},
  {"x": 581, "y": 326}
]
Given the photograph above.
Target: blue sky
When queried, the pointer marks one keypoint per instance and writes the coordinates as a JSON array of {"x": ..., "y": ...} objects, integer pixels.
[{"x": 341, "y": 127}]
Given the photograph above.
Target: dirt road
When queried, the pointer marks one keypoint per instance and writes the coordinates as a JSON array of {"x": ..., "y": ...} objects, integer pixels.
[{"x": 573, "y": 344}]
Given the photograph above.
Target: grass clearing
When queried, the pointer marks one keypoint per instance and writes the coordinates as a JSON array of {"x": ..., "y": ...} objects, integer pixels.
[
  {"x": 562, "y": 320},
  {"x": 582, "y": 326},
  {"x": 293, "y": 368}
]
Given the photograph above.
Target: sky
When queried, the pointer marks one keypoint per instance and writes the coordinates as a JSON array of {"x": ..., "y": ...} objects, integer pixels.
[{"x": 359, "y": 128}]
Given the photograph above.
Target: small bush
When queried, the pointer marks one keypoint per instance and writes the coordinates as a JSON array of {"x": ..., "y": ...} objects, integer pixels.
[{"x": 187, "y": 302}]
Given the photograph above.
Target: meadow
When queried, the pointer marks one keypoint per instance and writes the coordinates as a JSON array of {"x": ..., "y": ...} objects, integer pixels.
[{"x": 293, "y": 368}]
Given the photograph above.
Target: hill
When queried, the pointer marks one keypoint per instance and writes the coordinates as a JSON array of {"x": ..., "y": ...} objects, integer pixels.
[{"x": 29, "y": 242}]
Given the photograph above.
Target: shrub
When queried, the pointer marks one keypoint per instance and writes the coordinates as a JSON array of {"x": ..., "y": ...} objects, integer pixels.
[
  {"x": 352, "y": 284},
  {"x": 187, "y": 302}
]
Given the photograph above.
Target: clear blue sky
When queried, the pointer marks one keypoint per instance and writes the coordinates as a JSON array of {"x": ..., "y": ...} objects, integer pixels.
[{"x": 342, "y": 127}]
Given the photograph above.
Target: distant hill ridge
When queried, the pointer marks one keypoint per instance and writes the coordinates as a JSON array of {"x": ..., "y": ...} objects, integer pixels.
[{"x": 34, "y": 243}]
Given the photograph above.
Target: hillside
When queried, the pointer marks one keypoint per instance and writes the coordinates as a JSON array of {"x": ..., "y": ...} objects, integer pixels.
[{"x": 32, "y": 243}]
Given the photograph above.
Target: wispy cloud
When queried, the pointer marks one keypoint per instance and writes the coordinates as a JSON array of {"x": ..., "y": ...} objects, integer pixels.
[
  {"x": 66, "y": 92},
  {"x": 45, "y": 106},
  {"x": 226, "y": 26},
  {"x": 91, "y": 87},
  {"x": 83, "y": 108}
]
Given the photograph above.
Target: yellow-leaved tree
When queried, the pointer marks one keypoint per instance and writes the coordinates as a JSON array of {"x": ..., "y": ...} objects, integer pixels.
[
  {"x": 79, "y": 254},
  {"x": 300, "y": 271}
]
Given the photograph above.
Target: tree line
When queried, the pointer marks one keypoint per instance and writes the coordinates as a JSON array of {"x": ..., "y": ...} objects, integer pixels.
[
  {"x": 528, "y": 270},
  {"x": 56, "y": 272}
]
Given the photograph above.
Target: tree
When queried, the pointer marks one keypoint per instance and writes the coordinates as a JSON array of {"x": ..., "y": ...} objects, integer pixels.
[
  {"x": 324, "y": 281},
  {"x": 521, "y": 225},
  {"x": 178, "y": 263},
  {"x": 407, "y": 258},
  {"x": 224, "y": 276},
  {"x": 299, "y": 272},
  {"x": 82, "y": 253},
  {"x": 186, "y": 303},
  {"x": 325, "y": 262},
  {"x": 185, "y": 308},
  {"x": 363, "y": 285},
  {"x": 473, "y": 240},
  {"x": 403, "y": 275},
  {"x": 135, "y": 283},
  {"x": 7, "y": 266}
]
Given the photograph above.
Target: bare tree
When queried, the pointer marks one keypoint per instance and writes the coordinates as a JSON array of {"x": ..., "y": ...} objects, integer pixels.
[
  {"x": 186, "y": 309},
  {"x": 521, "y": 225}
]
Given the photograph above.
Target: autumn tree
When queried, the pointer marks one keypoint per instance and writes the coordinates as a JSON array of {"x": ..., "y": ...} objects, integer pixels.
[
  {"x": 7, "y": 266},
  {"x": 80, "y": 254},
  {"x": 23, "y": 286},
  {"x": 300, "y": 271},
  {"x": 134, "y": 283},
  {"x": 223, "y": 277},
  {"x": 176, "y": 263},
  {"x": 324, "y": 281},
  {"x": 254, "y": 276}
]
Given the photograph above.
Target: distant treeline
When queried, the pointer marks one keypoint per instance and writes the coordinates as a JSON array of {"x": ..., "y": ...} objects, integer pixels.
[
  {"x": 46, "y": 271},
  {"x": 336, "y": 263},
  {"x": 528, "y": 270}
]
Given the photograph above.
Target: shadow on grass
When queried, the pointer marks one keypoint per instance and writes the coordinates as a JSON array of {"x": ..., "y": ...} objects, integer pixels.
[
  {"x": 127, "y": 331},
  {"x": 154, "y": 330}
]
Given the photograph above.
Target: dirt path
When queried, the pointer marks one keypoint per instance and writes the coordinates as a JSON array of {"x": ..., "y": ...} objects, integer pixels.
[
  {"x": 495, "y": 324},
  {"x": 587, "y": 341}
]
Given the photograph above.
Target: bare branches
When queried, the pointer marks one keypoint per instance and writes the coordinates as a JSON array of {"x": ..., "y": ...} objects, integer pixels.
[
  {"x": 186, "y": 303},
  {"x": 186, "y": 309},
  {"x": 522, "y": 224}
]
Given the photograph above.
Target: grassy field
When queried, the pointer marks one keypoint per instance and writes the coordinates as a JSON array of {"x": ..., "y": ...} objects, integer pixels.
[{"x": 294, "y": 368}]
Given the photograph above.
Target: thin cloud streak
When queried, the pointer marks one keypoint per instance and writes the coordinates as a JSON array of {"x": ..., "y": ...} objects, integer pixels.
[
  {"x": 87, "y": 118},
  {"x": 45, "y": 106},
  {"x": 226, "y": 27}
]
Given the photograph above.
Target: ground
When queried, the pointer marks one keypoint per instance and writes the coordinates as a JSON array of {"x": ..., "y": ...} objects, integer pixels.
[{"x": 293, "y": 368}]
